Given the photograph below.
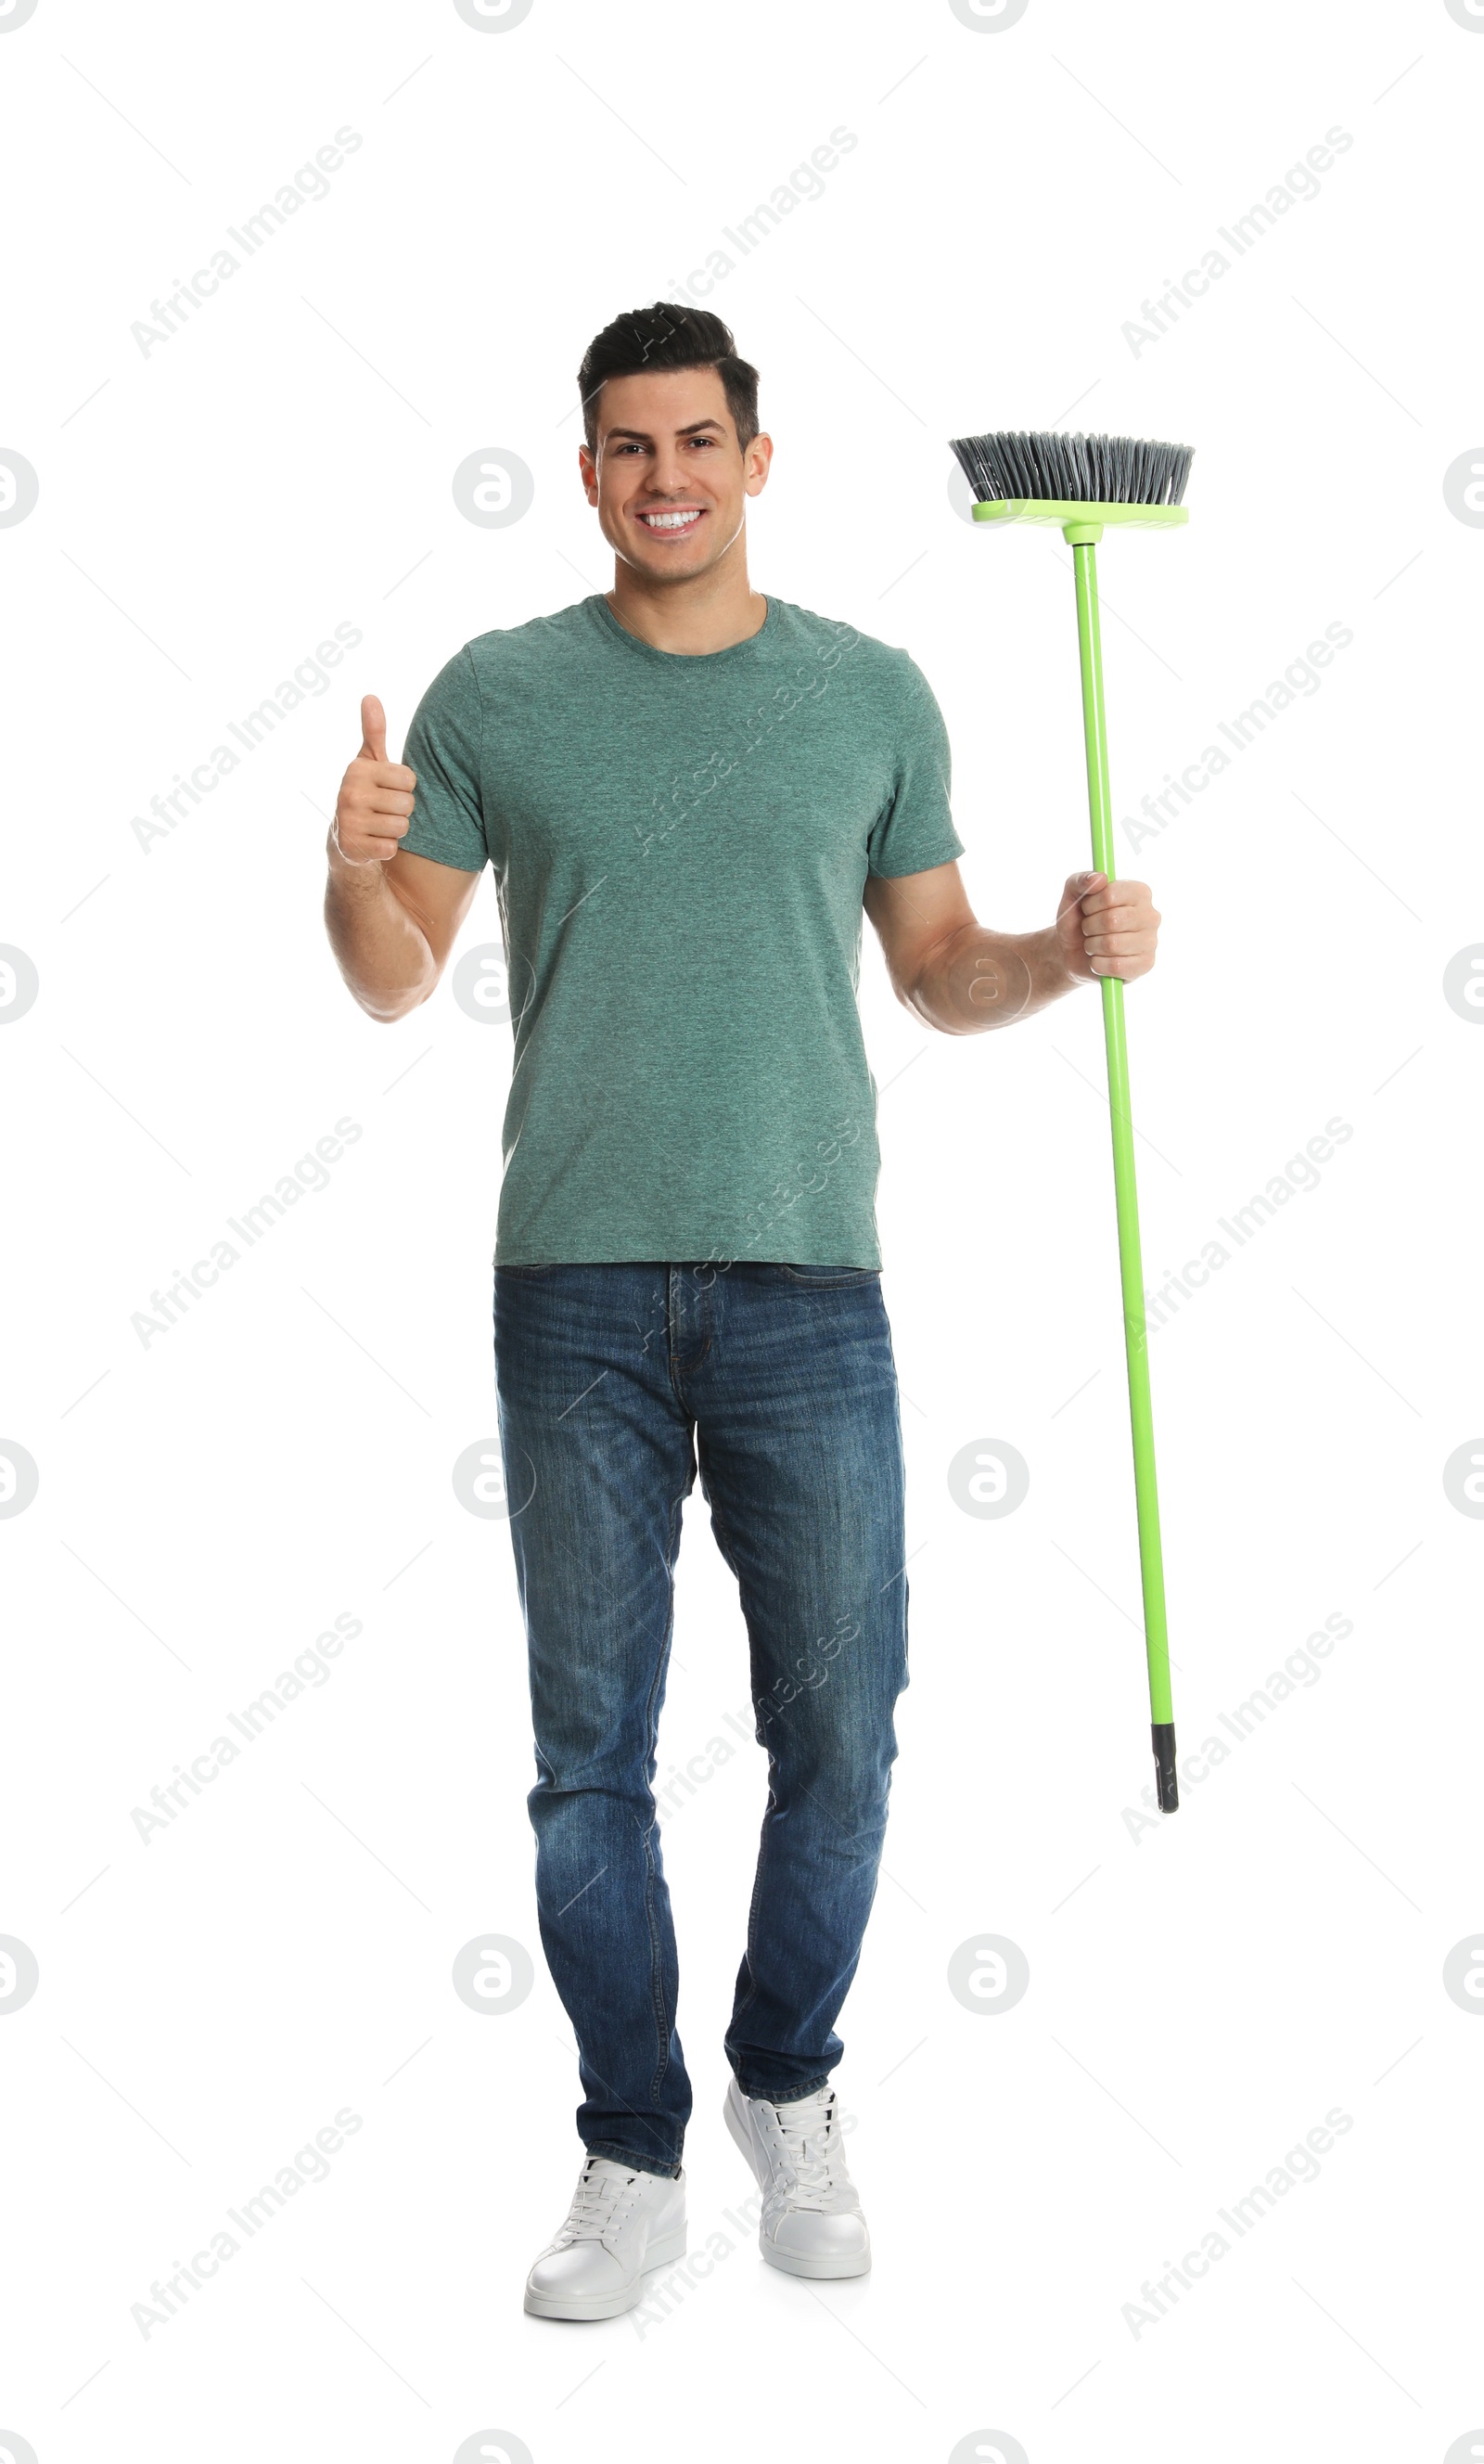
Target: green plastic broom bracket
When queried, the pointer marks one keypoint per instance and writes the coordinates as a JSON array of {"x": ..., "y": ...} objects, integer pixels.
[{"x": 1082, "y": 522}]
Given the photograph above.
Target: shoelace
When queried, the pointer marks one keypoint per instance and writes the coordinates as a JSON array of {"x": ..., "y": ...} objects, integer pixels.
[
  {"x": 596, "y": 2204},
  {"x": 811, "y": 2145}
]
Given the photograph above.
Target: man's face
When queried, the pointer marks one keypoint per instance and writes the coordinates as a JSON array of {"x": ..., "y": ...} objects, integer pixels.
[{"x": 668, "y": 476}]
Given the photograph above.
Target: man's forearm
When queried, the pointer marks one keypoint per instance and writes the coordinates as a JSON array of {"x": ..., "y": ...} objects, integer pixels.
[
  {"x": 978, "y": 979},
  {"x": 381, "y": 951}
]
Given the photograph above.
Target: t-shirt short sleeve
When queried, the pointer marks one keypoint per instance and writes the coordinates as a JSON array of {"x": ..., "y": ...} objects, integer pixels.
[
  {"x": 915, "y": 828},
  {"x": 443, "y": 747}
]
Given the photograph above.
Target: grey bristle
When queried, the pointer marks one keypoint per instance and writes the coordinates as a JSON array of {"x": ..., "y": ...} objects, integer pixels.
[{"x": 1075, "y": 470}]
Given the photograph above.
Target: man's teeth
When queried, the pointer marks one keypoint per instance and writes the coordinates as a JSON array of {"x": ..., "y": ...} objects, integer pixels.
[{"x": 672, "y": 522}]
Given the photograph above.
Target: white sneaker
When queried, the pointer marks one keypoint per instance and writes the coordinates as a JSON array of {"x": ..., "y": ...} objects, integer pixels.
[
  {"x": 811, "y": 2222},
  {"x": 621, "y": 2221}
]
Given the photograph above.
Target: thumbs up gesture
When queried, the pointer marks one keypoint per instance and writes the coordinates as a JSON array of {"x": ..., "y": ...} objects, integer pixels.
[{"x": 375, "y": 803}]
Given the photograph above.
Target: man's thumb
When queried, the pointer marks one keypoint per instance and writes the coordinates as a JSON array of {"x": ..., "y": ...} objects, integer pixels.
[{"x": 373, "y": 730}]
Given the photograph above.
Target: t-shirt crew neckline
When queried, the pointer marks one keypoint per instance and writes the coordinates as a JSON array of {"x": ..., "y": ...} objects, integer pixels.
[{"x": 751, "y": 644}]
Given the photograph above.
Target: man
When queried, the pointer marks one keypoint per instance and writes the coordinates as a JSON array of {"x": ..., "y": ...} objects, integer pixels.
[{"x": 688, "y": 792}]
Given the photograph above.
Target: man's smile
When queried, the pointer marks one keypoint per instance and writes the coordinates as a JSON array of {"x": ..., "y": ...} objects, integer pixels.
[{"x": 672, "y": 520}]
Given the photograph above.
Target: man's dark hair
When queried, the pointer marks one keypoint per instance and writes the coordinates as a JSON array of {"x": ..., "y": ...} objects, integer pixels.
[{"x": 666, "y": 335}]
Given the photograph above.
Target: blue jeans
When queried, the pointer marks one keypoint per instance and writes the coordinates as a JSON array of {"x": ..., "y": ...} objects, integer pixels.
[{"x": 615, "y": 1382}]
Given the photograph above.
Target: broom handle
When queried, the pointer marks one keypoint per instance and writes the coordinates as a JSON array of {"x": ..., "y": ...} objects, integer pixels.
[{"x": 1140, "y": 1413}]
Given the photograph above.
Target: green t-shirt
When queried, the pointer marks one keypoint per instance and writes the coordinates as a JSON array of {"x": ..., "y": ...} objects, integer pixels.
[{"x": 680, "y": 847}]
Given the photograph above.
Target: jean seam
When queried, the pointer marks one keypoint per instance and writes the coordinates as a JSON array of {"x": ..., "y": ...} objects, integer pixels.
[
  {"x": 756, "y": 1902},
  {"x": 626, "y": 2156},
  {"x": 663, "y": 2021},
  {"x": 791, "y": 2096},
  {"x": 671, "y": 1358},
  {"x": 726, "y": 1543},
  {"x": 616, "y": 2145}
]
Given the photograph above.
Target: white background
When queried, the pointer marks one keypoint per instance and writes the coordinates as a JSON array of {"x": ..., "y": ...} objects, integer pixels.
[{"x": 1202, "y": 1991}]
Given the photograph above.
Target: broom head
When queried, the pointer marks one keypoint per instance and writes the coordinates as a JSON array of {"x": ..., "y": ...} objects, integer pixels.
[{"x": 1078, "y": 482}]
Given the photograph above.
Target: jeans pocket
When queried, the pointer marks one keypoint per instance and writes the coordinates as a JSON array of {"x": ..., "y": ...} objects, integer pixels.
[{"x": 830, "y": 1278}]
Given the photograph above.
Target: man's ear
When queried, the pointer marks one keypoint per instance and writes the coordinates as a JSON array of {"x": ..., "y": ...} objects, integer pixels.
[{"x": 756, "y": 463}]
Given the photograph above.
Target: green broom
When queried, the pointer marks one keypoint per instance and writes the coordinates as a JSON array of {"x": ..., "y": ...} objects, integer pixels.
[{"x": 1086, "y": 484}]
